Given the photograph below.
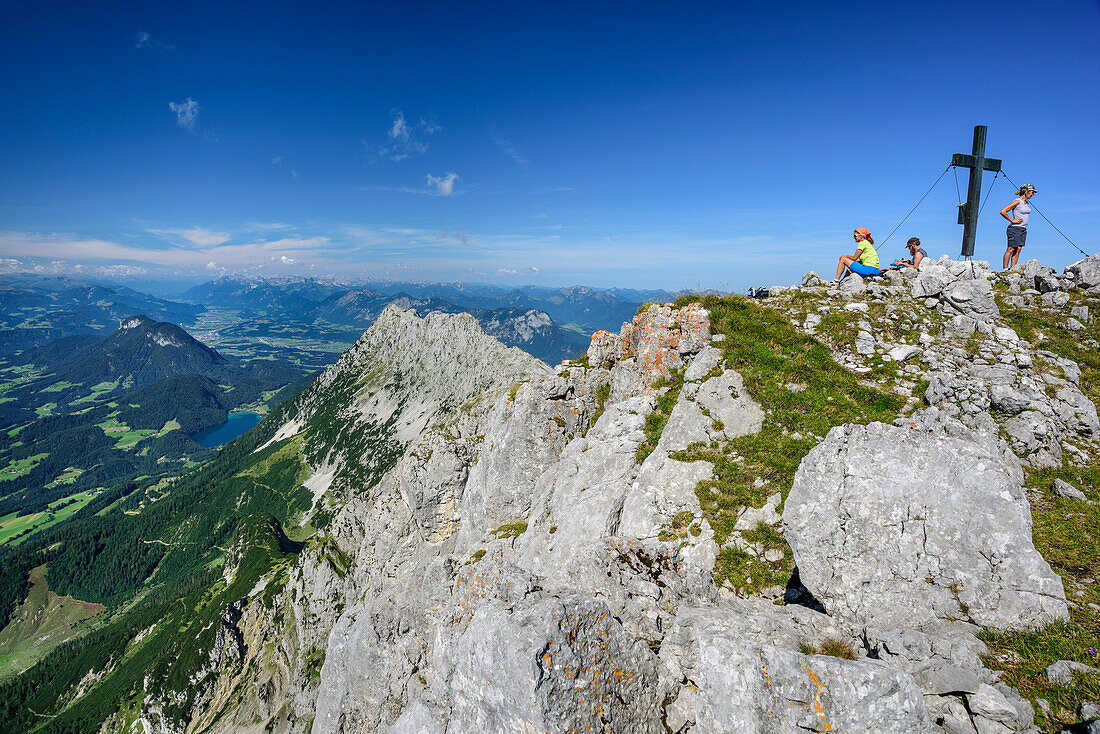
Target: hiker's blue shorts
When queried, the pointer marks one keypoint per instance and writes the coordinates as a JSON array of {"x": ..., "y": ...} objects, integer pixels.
[{"x": 861, "y": 269}]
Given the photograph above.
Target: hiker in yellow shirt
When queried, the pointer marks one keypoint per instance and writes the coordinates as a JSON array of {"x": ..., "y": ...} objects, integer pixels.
[{"x": 865, "y": 259}]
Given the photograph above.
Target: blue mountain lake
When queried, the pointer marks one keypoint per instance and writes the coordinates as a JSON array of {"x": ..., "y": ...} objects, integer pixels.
[{"x": 238, "y": 424}]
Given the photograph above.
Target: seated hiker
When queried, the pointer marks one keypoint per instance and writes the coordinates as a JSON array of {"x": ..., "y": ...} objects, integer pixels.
[
  {"x": 916, "y": 254},
  {"x": 864, "y": 261}
]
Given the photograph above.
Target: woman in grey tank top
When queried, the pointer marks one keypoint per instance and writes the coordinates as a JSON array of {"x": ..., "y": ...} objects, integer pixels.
[{"x": 1017, "y": 214}]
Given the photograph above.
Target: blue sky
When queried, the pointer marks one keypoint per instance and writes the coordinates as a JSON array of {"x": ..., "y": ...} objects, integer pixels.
[{"x": 642, "y": 145}]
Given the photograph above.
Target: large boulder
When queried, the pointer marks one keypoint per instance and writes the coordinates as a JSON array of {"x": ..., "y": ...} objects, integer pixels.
[
  {"x": 1086, "y": 272},
  {"x": 555, "y": 665},
  {"x": 932, "y": 278},
  {"x": 902, "y": 527},
  {"x": 973, "y": 298},
  {"x": 732, "y": 670}
]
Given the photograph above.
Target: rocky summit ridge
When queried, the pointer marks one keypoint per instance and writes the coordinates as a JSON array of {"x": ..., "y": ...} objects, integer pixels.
[{"x": 609, "y": 546}]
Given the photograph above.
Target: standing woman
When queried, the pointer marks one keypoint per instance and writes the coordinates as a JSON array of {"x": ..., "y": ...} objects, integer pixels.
[
  {"x": 865, "y": 259},
  {"x": 1017, "y": 215}
]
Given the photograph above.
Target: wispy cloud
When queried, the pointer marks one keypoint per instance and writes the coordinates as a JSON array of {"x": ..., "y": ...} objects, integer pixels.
[
  {"x": 403, "y": 138},
  {"x": 429, "y": 125},
  {"x": 443, "y": 185},
  {"x": 187, "y": 112},
  {"x": 276, "y": 160},
  {"x": 146, "y": 41},
  {"x": 459, "y": 236},
  {"x": 400, "y": 144},
  {"x": 509, "y": 150},
  {"x": 237, "y": 257},
  {"x": 199, "y": 236}
]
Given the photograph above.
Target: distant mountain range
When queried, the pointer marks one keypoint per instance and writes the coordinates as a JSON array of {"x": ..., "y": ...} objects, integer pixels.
[
  {"x": 551, "y": 324},
  {"x": 591, "y": 308},
  {"x": 36, "y": 309}
]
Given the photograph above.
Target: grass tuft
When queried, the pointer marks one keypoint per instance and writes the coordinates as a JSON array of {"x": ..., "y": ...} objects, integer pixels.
[
  {"x": 511, "y": 530},
  {"x": 832, "y": 646}
]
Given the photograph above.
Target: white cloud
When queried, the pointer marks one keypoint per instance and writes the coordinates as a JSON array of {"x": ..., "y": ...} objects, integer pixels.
[
  {"x": 509, "y": 150},
  {"x": 429, "y": 125},
  {"x": 266, "y": 226},
  {"x": 443, "y": 185},
  {"x": 400, "y": 129},
  {"x": 145, "y": 40},
  {"x": 401, "y": 143},
  {"x": 276, "y": 160},
  {"x": 287, "y": 260},
  {"x": 187, "y": 112},
  {"x": 232, "y": 257},
  {"x": 507, "y": 271},
  {"x": 196, "y": 235}
]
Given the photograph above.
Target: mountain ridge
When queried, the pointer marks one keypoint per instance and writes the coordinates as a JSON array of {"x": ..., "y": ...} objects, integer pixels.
[{"x": 606, "y": 546}]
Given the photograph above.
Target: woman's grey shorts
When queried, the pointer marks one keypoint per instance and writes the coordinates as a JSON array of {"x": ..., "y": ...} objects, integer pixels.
[{"x": 1016, "y": 235}]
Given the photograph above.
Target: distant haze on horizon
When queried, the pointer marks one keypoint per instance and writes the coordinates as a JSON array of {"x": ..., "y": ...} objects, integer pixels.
[{"x": 714, "y": 145}]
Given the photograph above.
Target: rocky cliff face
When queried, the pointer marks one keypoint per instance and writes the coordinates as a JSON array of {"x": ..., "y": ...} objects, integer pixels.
[{"x": 514, "y": 549}]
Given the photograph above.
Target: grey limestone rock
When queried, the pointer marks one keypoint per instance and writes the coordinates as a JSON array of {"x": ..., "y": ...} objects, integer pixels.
[
  {"x": 418, "y": 718},
  {"x": 736, "y": 681},
  {"x": 1086, "y": 272},
  {"x": 604, "y": 348},
  {"x": 811, "y": 279},
  {"x": 992, "y": 704},
  {"x": 1054, "y": 299},
  {"x": 1065, "y": 489},
  {"x": 935, "y": 529},
  {"x": 1005, "y": 399},
  {"x": 1062, "y": 672},
  {"x": 581, "y": 496},
  {"x": 988, "y": 726},
  {"x": 1029, "y": 269},
  {"x": 705, "y": 361},
  {"x": 526, "y": 434},
  {"x": 960, "y": 326},
  {"x": 659, "y": 339},
  {"x": 956, "y": 719},
  {"x": 973, "y": 298},
  {"x": 932, "y": 278},
  {"x": 1045, "y": 282},
  {"x": 728, "y": 402},
  {"x": 940, "y": 677},
  {"x": 1032, "y": 434},
  {"x": 904, "y": 352},
  {"x": 852, "y": 283},
  {"x": 553, "y": 665}
]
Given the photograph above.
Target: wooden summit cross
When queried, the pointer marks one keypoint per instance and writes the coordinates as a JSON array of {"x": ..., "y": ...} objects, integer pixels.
[{"x": 976, "y": 162}]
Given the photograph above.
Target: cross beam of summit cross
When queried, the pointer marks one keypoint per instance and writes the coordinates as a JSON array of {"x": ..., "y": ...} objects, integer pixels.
[{"x": 976, "y": 162}]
